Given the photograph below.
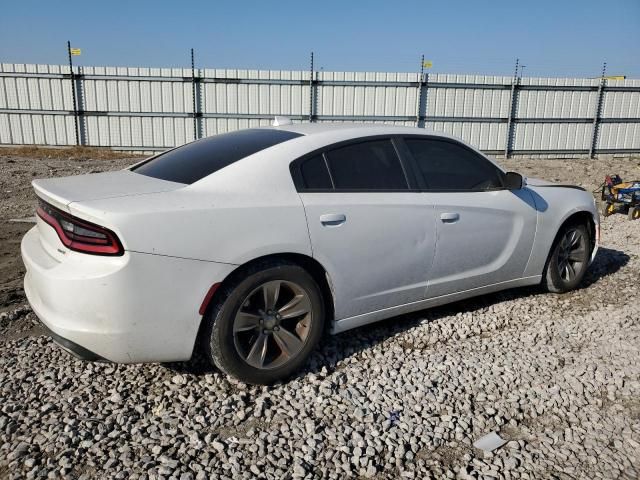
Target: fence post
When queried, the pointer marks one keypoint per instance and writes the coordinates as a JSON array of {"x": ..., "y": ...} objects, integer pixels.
[
  {"x": 596, "y": 116},
  {"x": 82, "y": 119},
  {"x": 73, "y": 93},
  {"x": 421, "y": 107},
  {"x": 512, "y": 111},
  {"x": 312, "y": 93},
  {"x": 512, "y": 108},
  {"x": 196, "y": 99}
]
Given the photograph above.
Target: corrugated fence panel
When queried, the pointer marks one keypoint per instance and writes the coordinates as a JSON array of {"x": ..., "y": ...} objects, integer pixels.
[
  {"x": 18, "y": 129},
  {"x": 271, "y": 99},
  {"x": 555, "y": 104},
  {"x": 552, "y": 136},
  {"x": 484, "y": 136},
  {"x": 137, "y": 95},
  {"x": 149, "y": 131},
  {"x": 619, "y": 136},
  {"x": 153, "y": 108},
  {"x": 213, "y": 126},
  {"x": 35, "y": 93},
  {"x": 468, "y": 102},
  {"x": 366, "y": 100},
  {"x": 401, "y": 123},
  {"x": 470, "y": 79},
  {"x": 621, "y": 105},
  {"x": 461, "y": 99}
]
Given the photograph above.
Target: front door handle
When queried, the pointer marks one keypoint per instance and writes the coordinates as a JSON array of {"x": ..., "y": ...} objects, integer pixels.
[
  {"x": 449, "y": 217},
  {"x": 333, "y": 219}
]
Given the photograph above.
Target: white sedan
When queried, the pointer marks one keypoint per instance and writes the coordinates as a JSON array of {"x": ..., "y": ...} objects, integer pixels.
[{"x": 250, "y": 243}]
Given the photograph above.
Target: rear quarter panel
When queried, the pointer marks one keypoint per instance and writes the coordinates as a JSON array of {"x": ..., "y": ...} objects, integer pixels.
[
  {"x": 225, "y": 220},
  {"x": 555, "y": 205}
]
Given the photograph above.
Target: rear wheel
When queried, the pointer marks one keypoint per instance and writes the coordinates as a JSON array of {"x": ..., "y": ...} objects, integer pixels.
[
  {"x": 634, "y": 213},
  {"x": 569, "y": 259},
  {"x": 266, "y": 323}
]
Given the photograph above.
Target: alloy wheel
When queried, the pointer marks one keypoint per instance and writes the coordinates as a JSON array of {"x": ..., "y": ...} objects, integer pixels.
[
  {"x": 571, "y": 254},
  {"x": 272, "y": 324}
]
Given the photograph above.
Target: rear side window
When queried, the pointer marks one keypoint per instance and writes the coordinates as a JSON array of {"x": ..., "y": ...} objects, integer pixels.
[
  {"x": 449, "y": 166},
  {"x": 315, "y": 174},
  {"x": 196, "y": 160},
  {"x": 372, "y": 165}
]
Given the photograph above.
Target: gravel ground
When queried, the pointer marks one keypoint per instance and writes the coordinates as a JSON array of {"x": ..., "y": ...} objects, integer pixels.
[{"x": 558, "y": 376}]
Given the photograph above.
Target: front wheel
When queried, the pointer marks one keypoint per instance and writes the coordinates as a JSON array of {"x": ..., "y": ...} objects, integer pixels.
[
  {"x": 608, "y": 209},
  {"x": 266, "y": 323},
  {"x": 569, "y": 259}
]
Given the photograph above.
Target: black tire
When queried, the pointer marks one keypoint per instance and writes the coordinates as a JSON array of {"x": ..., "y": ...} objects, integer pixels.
[
  {"x": 608, "y": 209},
  {"x": 557, "y": 277},
  {"x": 223, "y": 345},
  {"x": 634, "y": 213}
]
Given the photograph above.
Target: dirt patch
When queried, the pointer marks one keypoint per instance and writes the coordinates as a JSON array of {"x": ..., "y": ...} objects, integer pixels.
[
  {"x": 17, "y": 170},
  {"x": 11, "y": 266},
  {"x": 18, "y": 167},
  {"x": 66, "y": 153},
  {"x": 588, "y": 173},
  {"x": 444, "y": 456},
  {"x": 22, "y": 327}
]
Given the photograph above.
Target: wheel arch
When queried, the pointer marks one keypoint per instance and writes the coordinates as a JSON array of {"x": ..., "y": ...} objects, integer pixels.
[
  {"x": 310, "y": 264},
  {"x": 579, "y": 216}
]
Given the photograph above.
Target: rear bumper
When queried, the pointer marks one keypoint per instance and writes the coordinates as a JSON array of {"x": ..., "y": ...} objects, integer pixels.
[
  {"x": 129, "y": 309},
  {"x": 74, "y": 349}
]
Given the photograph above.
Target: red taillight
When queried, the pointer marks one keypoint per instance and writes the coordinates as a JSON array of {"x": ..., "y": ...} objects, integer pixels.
[{"x": 80, "y": 235}]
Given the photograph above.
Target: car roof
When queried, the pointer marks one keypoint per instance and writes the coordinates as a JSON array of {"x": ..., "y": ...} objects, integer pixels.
[
  {"x": 259, "y": 169},
  {"x": 356, "y": 130}
]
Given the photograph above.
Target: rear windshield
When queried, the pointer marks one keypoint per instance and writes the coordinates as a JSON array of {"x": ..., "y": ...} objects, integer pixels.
[{"x": 196, "y": 160}]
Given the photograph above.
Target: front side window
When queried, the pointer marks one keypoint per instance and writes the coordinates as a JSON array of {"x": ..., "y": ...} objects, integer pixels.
[
  {"x": 196, "y": 160},
  {"x": 372, "y": 165},
  {"x": 450, "y": 166}
]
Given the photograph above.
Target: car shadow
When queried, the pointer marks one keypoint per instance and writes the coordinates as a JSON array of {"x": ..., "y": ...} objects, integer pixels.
[
  {"x": 607, "y": 262},
  {"x": 335, "y": 348}
]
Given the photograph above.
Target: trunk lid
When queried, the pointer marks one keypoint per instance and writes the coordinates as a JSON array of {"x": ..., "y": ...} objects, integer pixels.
[{"x": 60, "y": 192}]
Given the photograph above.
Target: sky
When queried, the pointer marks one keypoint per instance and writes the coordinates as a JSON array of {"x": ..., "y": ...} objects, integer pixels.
[{"x": 550, "y": 37}]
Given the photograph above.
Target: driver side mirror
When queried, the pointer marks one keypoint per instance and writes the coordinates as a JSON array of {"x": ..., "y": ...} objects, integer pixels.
[{"x": 513, "y": 181}]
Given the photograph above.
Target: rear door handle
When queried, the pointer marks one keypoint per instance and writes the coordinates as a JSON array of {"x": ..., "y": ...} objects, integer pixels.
[
  {"x": 449, "y": 217},
  {"x": 333, "y": 219}
]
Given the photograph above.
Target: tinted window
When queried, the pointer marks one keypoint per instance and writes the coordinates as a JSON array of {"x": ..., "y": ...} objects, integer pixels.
[
  {"x": 367, "y": 166},
  {"x": 196, "y": 160},
  {"x": 450, "y": 166},
  {"x": 315, "y": 173}
]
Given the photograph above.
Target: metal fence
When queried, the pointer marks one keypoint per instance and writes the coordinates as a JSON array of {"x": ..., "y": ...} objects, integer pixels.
[{"x": 148, "y": 109}]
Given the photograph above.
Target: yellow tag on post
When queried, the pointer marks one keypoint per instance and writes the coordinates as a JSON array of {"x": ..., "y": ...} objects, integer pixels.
[{"x": 75, "y": 51}]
